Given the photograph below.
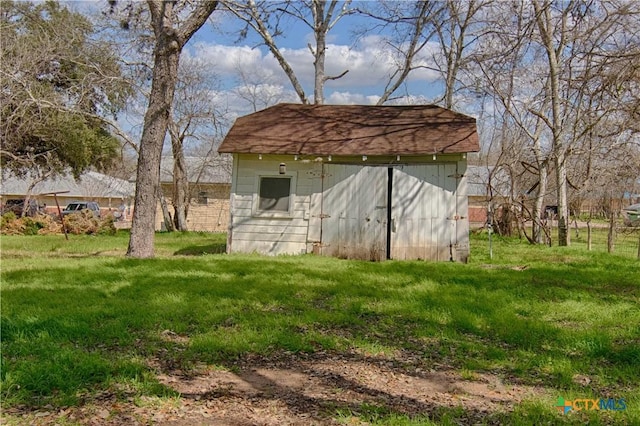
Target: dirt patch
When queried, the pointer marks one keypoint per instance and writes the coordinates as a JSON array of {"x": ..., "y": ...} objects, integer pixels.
[{"x": 294, "y": 389}]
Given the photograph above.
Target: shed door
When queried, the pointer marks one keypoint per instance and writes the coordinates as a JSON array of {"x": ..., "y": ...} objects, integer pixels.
[
  {"x": 423, "y": 209},
  {"x": 354, "y": 211}
]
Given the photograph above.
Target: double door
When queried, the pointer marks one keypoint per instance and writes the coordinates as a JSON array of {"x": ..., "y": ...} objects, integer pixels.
[{"x": 379, "y": 212}]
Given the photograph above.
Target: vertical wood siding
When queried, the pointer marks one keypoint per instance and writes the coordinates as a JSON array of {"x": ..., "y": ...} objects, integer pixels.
[
  {"x": 354, "y": 208},
  {"x": 423, "y": 212}
]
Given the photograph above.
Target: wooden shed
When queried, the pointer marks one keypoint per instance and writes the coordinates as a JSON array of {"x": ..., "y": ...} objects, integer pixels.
[{"x": 352, "y": 181}]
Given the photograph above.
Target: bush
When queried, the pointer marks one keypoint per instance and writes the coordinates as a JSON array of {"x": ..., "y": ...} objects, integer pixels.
[
  {"x": 107, "y": 226},
  {"x": 77, "y": 223},
  {"x": 11, "y": 225},
  {"x": 31, "y": 226},
  {"x": 83, "y": 222}
]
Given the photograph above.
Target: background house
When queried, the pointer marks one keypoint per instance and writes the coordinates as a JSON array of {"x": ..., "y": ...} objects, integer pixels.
[
  {"x": 486, "y": 186},
  {"x": 368, "y": 182},
  {"x": 209, "y": 186},
  {"x": 107, "y": 191}
]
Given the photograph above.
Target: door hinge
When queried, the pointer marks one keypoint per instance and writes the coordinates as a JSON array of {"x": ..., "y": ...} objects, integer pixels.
[
  {"x": 321, "y": 216},
  {"x": 457, "y": 176}
]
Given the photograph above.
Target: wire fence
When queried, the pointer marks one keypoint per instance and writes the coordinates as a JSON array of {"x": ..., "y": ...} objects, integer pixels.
[
  {"x": 595, "y": 236},
  {"x": 625, "y": 240}
]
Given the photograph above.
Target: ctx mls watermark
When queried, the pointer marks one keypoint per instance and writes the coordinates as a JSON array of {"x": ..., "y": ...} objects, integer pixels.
[{"x": 584, "y": 404}]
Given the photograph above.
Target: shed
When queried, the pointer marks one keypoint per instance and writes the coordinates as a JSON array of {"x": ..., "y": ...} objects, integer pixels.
[{"x": 352, "y": 181}]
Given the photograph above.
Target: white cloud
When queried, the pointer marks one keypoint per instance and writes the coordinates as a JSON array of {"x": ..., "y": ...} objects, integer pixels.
[
  {"x": 252, "y": 78},
  {"x": 369, "y": 64},
  {"x": 348, "y": 98}
]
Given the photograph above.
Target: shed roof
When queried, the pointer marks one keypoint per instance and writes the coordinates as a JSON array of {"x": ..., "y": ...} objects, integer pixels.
[{"x": 352, "y": 130}]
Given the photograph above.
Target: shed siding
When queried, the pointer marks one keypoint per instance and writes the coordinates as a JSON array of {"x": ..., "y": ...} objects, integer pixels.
[
  {"x": 270, "y": 235},
  {"x": 423, "y": 211},
  {"x": 354, "y": 208},
  {"x": 340, "y": 209}
]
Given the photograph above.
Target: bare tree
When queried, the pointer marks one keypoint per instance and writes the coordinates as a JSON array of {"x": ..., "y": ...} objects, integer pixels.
[
  {"x": 173, "y": 23},
  {"x": 411, "y": 28},
  {"x": 194, "y": 120},
  {"x": 459, "y": 30},
  {"x": 266, "y": 18},
  {"x": 255, "y": 88},
  {"x": 505, "y": 57},
  {"x": 547, "y": 65},
  {"x": 428, "y": 35}
]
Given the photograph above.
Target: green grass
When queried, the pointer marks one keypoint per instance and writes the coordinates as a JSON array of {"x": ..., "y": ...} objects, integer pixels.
[{"x": 78, "y": 317}]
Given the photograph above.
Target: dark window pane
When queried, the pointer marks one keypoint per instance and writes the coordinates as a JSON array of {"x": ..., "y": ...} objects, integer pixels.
[
  {"x": 274, "y": 194},
  {"x": 202, "y": 198}
]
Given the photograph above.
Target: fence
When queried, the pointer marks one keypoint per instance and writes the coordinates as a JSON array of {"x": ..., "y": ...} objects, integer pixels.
[
  {"x": 594, "y": 237},
  {"x": 626, "y": 239}
]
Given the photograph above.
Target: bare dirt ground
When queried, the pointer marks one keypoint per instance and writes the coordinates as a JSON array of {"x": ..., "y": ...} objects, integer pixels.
[{"x": 293, "y": 389}]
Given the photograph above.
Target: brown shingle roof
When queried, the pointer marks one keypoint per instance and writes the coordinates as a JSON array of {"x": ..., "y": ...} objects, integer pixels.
[{"x": 352, "y": 130}]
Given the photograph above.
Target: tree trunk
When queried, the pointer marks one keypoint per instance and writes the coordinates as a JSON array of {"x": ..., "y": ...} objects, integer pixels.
[
  {"x": 165, "y": 76},
  {"x": 180, "y": 193},
  {"x": 538, "y": 212},
  {"x": 170, "y": 38},
  {"x": 318, "y": 90},
  {"x": 563, "y": 207},
  {"x": 166, "y": 215},
  {"x": 545, "y": 25}
]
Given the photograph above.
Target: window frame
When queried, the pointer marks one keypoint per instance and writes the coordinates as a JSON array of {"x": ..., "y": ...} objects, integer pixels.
[{"x": 255, "y": 209}]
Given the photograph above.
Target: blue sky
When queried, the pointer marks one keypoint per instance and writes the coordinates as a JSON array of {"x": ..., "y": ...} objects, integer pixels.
[
  {"x": 369, "y": 61},
  {"x": 238, "y": 65}
]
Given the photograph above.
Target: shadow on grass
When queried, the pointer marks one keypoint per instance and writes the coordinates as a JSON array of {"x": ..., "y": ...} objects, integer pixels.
[
  {"x": 216, "y": 248},
  {"x": 228, "y": 306}
]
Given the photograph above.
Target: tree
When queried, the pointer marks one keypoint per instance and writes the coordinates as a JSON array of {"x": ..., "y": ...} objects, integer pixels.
[
  {"x": 265, "y": 18},
  {"x": 411, "y": 26},
  {"x": 194, "y": 120},
  {"x": 61, "y": 91},
  {"x": 441, "y": 32},
  {"x": 550, "y": 66},
  {"x": 581, "y": 41},
  {"x": 173, "y": 24},
  {"x": 505, "y": 57}
]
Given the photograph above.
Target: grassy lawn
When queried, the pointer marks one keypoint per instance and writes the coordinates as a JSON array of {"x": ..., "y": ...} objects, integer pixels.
[{"x": 79, "y": 318}]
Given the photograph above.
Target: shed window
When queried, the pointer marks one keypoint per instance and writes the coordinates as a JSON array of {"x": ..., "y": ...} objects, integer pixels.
[{"x": 275, "y": 194}]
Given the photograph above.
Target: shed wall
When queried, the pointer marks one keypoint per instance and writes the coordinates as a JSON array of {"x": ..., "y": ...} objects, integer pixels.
[
  {"x": 341, "y": 209},
  {"x": 250, "y": 232}
]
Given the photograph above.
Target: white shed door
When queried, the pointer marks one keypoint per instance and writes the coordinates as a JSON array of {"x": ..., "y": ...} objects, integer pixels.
[
  {"x": 354, "y": 211},
  {"x": 423, "y": 201}
]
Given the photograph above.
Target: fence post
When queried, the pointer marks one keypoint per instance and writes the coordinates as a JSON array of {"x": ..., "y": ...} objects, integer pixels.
[{"x": 611, "y": 234}]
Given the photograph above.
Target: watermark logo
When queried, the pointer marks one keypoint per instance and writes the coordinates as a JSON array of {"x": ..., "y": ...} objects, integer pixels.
[{"x": 564, "y": 406}]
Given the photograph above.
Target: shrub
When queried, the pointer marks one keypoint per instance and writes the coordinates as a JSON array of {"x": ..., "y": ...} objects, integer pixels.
[
  {"x": 83, "y": 222},
  {"x": 77, "y": 223},
  {"x": 31, "y": 226},
  {"x": 107, "y": 226},
  {"x": 11, "y": 225},
  {"x": 48, "y": 225}
]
